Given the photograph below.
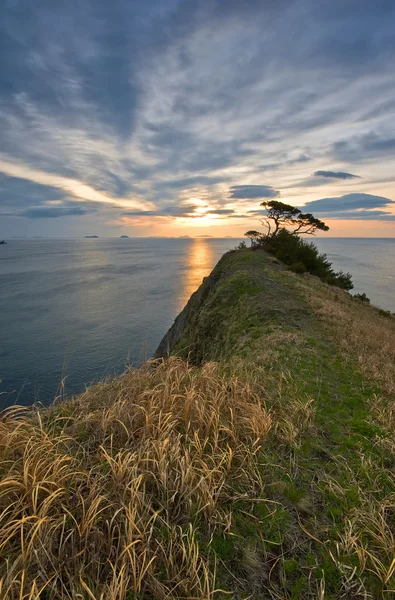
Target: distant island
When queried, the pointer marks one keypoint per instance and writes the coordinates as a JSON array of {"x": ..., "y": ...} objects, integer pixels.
[
  {"x": 124, "y": 236},
  {"x": 204, "y": 236},
  {"x": 184, "y": 236},
  {"x": 91, "y": 236}
]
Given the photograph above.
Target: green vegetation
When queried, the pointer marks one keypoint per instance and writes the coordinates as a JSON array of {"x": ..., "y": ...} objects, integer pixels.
[
  {"x": 362, "y": 297},
  {"x": 284, "y": 223},
  {"x": 302, "y": 256},
  {"x": 263, "y": 468},
  {"x": 285, "y": 216}
]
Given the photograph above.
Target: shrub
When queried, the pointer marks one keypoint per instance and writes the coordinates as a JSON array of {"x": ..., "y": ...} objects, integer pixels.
[
  {"x": 340, "y": 280},
  {"x": 362, "y": 298},
  {"x": 298, "y": 267},
  {"x": 386, "y": 313},
  {"x": 304, "y": 256}
]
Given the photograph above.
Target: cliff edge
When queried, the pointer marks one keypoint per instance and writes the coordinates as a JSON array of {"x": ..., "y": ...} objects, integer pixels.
[{"x": 249, "y": 293}]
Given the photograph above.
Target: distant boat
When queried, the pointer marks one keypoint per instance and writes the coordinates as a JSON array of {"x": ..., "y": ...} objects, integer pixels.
[
  {"x": 2, "y": 242},
  {"x": 124, "y": 236}
]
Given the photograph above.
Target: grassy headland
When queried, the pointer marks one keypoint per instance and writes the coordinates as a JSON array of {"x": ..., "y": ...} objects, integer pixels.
[{"x": 257, "y": 461}]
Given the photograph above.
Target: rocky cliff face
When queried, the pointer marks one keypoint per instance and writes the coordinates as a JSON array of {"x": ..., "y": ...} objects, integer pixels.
[{"x": 185, "y": 321}]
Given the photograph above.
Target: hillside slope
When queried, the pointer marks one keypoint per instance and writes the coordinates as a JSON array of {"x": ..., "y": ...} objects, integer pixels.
[
  {"x": 246, "y": 295},
  {"x": 261, "y": 468}
]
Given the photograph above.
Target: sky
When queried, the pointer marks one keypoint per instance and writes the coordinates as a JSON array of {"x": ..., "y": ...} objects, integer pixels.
[{"x": 179, "y": 117}]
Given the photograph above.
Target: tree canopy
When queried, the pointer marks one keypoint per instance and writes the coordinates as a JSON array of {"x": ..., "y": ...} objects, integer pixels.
[
  {"x": 285, "y": 216},
  {"x": 254, "y": 236},
  {"x": 284, "y": 223}
]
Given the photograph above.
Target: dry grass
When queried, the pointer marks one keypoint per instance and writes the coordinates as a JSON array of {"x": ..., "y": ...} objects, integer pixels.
[
  {"x": 366, "y": 337},
  {"x": 293, "y": 413},
  {"x": 362, "y": 331},
  {"x": 369, "y": 535},
  {"x": 104, "y": 497}
]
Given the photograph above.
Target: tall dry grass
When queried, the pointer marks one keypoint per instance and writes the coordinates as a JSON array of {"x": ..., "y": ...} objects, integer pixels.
[{"x": 112, "y": 495}]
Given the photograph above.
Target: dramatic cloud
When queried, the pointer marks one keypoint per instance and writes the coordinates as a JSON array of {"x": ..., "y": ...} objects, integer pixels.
[
  {"x": 336, "y": 175},
  {"x": 253, "y": 191},
  {"x": 150, "y": 106},
  {"x": 17, "y": 193},
  {"x": 352, "y": 206},
  {"x": 347, "y": 202},
  {"x": 359, "y": 148}
]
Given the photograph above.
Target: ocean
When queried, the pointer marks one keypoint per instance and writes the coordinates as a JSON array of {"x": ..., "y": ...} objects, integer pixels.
[{"x": 75, "y": 311}]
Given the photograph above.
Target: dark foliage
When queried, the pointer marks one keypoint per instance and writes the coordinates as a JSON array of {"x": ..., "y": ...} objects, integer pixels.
[
  {"x": 280, "y": 216},
  {"x": 362, "y": 298},
  {"x": 386, "y": 313},
  {"x": 302, "y": 257},
  {"x": 254, "y": 236}
]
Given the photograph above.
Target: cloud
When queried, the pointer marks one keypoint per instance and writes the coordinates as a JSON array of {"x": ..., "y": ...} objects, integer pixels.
[
  {"x": 220, "y": 211},
  {"x": 52, "y": 212},
  {"x": 140, "y": 213},
  {"x": 351, "y": 206},
  {"x": 369, "y": 215},
  {"x": 320, "y": 178},
  {"x": 167, "y": 211},
  {"x": 336, "y": 175},
  {"x": 347, "y": 202},
  {"x": 302, "y": 158},
  {"x": 257, "y": 213},
  {"x": 17, "y": 193},
  {"x": 74, "y": 189},
  {"x": 253, "y": 191},
  {"x": 120, "y": 104},
  {"x": 192, "y": 182},
  {"x": 314, "y": 182},
  {"x": 191, "y": 211},
  {"x": 362, "y": 147}
]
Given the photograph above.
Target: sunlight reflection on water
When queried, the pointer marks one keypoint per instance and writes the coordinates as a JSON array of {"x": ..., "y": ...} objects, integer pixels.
[
  {"x": 198, "y": 264},
  {"x": 82, "y": 309}
]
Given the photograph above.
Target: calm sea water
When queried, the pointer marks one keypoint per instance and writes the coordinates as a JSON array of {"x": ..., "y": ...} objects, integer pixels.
[{"x": 78, "y": 310}]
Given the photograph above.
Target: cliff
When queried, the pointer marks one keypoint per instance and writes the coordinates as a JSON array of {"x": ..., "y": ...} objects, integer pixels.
[
  {"x": 247, "y": 295},
  {"x": 254, "y": 458}
]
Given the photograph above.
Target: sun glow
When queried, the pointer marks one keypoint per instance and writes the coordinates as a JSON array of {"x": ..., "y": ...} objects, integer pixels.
[
  {"x": 200, "y": 220},
  {"x": 201, "y": 210}
]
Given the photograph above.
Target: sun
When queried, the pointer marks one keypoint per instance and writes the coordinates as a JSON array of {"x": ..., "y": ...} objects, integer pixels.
[{"x": 201, "y": 210}]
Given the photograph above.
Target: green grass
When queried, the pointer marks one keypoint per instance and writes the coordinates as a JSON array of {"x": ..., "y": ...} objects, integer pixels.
[
  {"x": 328, "y": 474},
  {"x": 263, "y": 469}
]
